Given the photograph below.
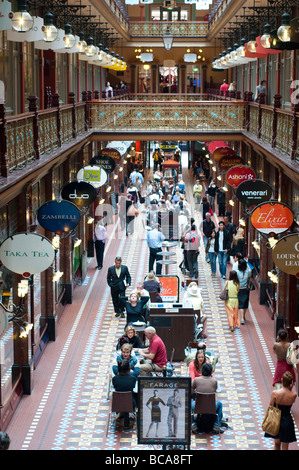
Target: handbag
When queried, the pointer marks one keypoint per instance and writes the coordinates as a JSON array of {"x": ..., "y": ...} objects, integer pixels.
[
  {"x": 271, "y": 422},
  {"x": 292, "y": 356},
  {"x": 224, "y": 294},
  {"x": 250, "y": 285}
]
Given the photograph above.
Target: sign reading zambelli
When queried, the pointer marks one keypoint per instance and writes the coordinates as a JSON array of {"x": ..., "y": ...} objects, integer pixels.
[
  {"x": 80, "y": 193},
  {"x": 27, "y": 253},
  {"x": 254, "y": 192},
  {"x": 272, "y": 217},
  {"x": 285, "y": 254},
  {"x": 58, "y": 216}
]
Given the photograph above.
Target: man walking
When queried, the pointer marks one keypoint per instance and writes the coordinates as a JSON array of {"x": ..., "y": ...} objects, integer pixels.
[
  {"x": 118, "y": 279},
  {"x": 222, "y": 247},
  {"x": 154, "y": 239},
  {"x": 100, "y": 235},
  {"x": 207, "y": 226}
]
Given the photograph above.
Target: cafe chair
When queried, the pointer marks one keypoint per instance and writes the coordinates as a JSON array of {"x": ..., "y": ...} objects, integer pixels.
[
  {"x": 205, "y": 404},
  {"x": 121, "y": 402},
  {"x": 199, "y": 323}
]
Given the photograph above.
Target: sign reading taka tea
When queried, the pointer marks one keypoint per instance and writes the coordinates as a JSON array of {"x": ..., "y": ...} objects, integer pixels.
[{"x": 272, "y": 218}]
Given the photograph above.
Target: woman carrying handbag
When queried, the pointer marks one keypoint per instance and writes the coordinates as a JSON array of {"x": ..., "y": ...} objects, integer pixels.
[
  {"x": 232, "y": 303},
  {"x": 284, "y": 399}
]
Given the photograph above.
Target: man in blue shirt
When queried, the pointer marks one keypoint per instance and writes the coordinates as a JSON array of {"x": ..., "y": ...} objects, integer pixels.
[{"x": 154, "y": 240}]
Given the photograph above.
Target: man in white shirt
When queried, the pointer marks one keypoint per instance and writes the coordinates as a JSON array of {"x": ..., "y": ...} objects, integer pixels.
[
  {"x": 222, "y": 246},
  {"x": 154, "y": 240},
  {"x": 100, "y": 235}
]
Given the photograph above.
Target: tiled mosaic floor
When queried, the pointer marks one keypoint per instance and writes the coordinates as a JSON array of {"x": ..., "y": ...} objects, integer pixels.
[{"x": 68, "y": 408}]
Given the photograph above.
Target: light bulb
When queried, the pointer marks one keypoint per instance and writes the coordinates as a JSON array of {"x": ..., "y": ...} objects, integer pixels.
[
  {"x": 251, "y": 46},
  {"x": 69, "y": 38},
  {"x": 50, "y": 31},
  {"x": 284, "y": 31},
  {"x": 22, "y": 22},
  {"x": 266, "y": 37}
]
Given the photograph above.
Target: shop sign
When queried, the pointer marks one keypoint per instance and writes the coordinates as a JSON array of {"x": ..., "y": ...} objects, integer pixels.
[
  {"x": 3, "y": 320},
  {"x": 285, "y": 254},
  {"x": 58, "y": 216},
  {"x": 221, "y": 152},
  {"x": 112, "y": 153},
  {"x": 80, "y": 193},
  {"x": 93, "y": 175},
  {"x": 254, "y": 192},
  {"x": 228, "y": 161},
  {"x": 27, "y": 253},
  {"x": 5, "y": 11},
  {"x": 272, "y": 217},
  {"x": 105, "y": 162},
  {"x": 238, "y": 174}
]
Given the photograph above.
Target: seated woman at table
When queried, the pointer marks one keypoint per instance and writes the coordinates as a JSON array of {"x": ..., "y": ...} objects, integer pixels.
[
  {"x": 134, "y": 305},
  {"x": 125, "y": 353},
  {"x": 130, "y": 337},
  {"x": 151, "y": 284},
  {"x": 196, "y": 365},
  {"x": 125, "y": 382}
]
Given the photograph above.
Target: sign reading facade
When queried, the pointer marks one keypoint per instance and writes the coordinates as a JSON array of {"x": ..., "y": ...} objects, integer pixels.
[
  {"x": 27, "y": 253},
  {"x": 238, "y": 174},
  {"x": 254, "y": 192},
  {"x": 285, "y": 254},
  {"x": 272, "y": 217},
  {"x": 58, "y": 216}
]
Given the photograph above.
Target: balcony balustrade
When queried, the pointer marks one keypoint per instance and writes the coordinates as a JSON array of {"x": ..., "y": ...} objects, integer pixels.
[
  {"x": 33, "y": 135},
  {"x": 140, "y": 29}
]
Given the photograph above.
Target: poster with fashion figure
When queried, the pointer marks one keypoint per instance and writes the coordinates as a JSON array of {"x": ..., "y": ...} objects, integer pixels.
[{"x": 164, "y": 410}]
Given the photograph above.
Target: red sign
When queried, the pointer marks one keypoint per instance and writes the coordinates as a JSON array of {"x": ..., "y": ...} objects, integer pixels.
[
  {"x": 221, "y": 152},
  {"x": 212, "y": 146},
  {"x": 169, "y": 288},
  {"x": 272, "y": 217},
  {"x": 228, "y": 161},
  {"x": 238, "y": 174}
]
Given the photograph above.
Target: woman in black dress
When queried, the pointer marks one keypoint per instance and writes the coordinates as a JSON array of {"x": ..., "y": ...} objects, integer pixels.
[{"x": 284, "y": 399}]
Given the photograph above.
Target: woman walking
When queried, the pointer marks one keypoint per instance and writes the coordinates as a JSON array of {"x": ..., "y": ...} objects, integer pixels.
[
  {"x": 232, "y": 304},
  {"x": 284, "y": 398},
  {"x": 243, "y": 274}
]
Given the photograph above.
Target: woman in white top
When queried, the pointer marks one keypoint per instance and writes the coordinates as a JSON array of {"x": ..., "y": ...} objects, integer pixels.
[{"x": 243, "y": 274}]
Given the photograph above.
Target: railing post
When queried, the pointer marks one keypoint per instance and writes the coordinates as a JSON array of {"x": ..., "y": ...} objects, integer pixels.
[
  {"x": 248, "y": 99},
  {"x": 277, "y": 104},
  {"x": 33, "y": 108},
  {"x": 259, "y": 126},
  {"x": 86, "y": 109},
  {"x": 3, "y": 142},
  {"x": 71, "y": 100},
  {"x": 55, "y": 104},
  {"x": 295, "y": 131}
]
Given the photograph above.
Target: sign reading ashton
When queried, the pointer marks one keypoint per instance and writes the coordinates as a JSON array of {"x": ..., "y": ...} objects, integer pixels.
[
  {"x": 27, "y": 253},
  {"x": 272, "y": 217},
  {"x": 285, "y": 254}
]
